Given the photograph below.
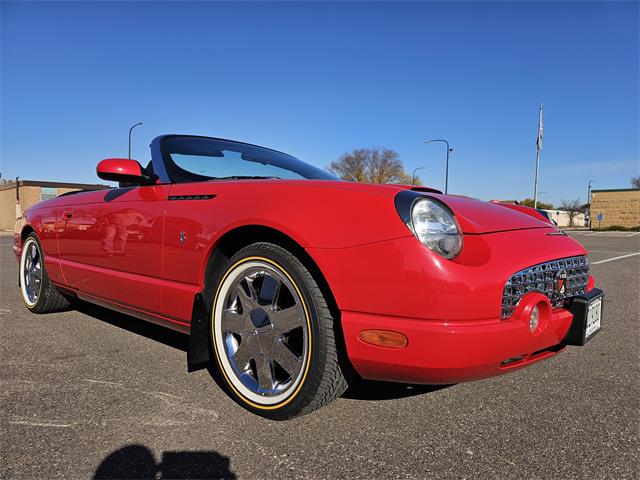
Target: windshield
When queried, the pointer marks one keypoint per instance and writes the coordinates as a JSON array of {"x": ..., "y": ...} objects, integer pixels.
[{"x": 197, "y": 159}]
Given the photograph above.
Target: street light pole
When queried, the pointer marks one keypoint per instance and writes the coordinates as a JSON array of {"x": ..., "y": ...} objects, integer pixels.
[
  {"x": 446, "y": 169},
  {"x": 130, "y": 130},
  {"x": 413, "y": 177}
]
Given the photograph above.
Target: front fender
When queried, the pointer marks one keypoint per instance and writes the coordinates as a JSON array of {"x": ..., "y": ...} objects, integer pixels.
[{"x": 405, "y": 279}]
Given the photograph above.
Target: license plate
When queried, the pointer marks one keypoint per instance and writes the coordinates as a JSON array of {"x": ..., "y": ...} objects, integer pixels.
[
  {"x": 594, "y": 315},
  {"x": 587, "y": 311}
]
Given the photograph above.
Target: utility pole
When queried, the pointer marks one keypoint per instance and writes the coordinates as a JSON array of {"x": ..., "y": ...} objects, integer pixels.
[{"x": 538, "y": 152}]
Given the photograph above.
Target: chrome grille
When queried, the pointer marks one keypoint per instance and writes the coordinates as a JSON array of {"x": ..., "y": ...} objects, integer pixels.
[{"x": 547, "y": 278}]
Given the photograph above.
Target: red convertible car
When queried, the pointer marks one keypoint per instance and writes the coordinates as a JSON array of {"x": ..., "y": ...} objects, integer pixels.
[{"x": 290, "y": 282}]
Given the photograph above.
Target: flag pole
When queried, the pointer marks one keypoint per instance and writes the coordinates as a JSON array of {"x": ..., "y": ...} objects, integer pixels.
[{"x": 538, "y": 151}]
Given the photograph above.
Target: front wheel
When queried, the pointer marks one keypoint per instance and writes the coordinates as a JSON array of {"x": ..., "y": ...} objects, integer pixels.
[{"x": 273, "y": 335}]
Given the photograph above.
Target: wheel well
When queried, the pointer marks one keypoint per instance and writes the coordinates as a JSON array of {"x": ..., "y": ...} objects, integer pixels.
[
  {"x": 240, "y": 237},
  {"x": 25, "y": 232},
  {"x": 199, "y": 350}
]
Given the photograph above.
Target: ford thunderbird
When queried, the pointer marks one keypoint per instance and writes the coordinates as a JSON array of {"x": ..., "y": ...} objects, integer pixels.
[{"x": 290, "y": 282}]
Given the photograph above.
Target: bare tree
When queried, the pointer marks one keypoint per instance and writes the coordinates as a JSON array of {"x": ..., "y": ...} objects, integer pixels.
[
  {"x": 371, "y": 165},
  {"x": 572, "y": 207},
  {"x": 635, "y": 182}
]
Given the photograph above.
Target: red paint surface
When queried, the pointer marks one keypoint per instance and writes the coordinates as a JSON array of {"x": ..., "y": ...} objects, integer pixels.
[{"x": 532, "y": 212}]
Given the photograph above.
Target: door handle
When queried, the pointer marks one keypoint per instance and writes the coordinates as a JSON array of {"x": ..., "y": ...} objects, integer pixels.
[{"x": 68, "y": 214}]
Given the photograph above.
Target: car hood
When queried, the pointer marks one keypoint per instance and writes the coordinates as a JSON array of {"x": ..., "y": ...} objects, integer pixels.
[
  {"x": 474, "y": 216},
  {"x": 478, "y": 217}
]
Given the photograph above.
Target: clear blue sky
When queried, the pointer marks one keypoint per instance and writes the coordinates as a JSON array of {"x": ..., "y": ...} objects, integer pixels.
[{"x": 320, "y": 79}]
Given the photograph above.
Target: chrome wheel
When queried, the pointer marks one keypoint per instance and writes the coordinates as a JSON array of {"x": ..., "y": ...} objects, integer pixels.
[
  {"x": 31, "y": 272},
  {"x": 261, "y": 331}
]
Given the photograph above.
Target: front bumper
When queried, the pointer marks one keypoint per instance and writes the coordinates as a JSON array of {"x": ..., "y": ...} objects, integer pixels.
[
  {"x": 453, "y": 352},
  {"x": 444, "y": 353},
  {"x": 448, "y": 310}
]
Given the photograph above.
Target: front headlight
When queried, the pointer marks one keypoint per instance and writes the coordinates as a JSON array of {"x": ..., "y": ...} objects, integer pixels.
[
  {"x": 431, "y": 221},
  {"x": 435, "y": 226}
]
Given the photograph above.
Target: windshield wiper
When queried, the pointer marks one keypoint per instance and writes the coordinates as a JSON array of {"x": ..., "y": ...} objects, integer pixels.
[{"x": 245, "y": 177}]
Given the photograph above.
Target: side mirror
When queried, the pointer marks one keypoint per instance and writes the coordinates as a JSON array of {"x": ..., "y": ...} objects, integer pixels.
[{"x": 124, "y": 170}]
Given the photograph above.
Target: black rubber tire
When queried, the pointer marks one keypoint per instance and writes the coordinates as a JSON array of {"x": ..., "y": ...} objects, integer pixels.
[
  {"x": 50, "y": 299},
  {"x": 329, "y": 374}
]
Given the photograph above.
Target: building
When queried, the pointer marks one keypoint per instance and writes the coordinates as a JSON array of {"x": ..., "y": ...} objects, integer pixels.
[
  {"x": 618, "y": 207},
  {"x": 563, "y": 218},
  {"x": 16, "y": 197}
]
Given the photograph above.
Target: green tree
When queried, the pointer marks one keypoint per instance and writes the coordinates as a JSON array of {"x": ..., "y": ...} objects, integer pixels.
[
  {"x": 372, "y": 165},
  {"x": 544, "y": 206}
]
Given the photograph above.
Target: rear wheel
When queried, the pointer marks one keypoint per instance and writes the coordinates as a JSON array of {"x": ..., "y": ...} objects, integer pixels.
[
  {"x": 38, "y": 293},
  {"x": 273, "y": 335}
]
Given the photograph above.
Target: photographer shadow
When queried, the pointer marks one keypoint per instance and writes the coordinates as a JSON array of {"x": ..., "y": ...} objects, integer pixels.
[{"x": 138, "y": 462}]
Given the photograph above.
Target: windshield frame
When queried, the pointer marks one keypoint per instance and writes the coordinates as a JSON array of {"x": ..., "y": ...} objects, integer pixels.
[{"x": 166, "y": 168}]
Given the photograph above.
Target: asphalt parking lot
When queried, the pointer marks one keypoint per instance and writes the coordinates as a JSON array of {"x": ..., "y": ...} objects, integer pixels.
[{"x": 94, "y": 394}]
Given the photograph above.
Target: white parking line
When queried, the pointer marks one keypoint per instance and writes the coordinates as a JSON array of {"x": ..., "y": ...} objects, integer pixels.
[
  {"x": 615, "y": 258},
  {"x": 609, "y": 251},
  {"x": 612, "y": 234}
]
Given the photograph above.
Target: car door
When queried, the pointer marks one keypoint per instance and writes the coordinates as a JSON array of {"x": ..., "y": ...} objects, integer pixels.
[
  {"x": 111, "y": 247},
  {"x": 191, "y": 220}
]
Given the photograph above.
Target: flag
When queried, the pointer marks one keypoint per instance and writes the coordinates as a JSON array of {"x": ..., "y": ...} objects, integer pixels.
[{"x": 539, "y": 141}]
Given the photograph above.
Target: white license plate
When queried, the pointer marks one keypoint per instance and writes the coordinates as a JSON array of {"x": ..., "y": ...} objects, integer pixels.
[{"x": 593, "y": 317}]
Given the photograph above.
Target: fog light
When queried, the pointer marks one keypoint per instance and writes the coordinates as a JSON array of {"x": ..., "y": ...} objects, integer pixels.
[{"x": 533, "y": 319}]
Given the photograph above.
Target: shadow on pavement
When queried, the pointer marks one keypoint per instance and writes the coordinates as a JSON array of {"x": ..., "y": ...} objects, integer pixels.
[
  {"x": 158, "y": 333},
  {"x": 138, "y": 462},
  {"x": 361, "y": 389}
]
